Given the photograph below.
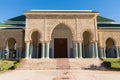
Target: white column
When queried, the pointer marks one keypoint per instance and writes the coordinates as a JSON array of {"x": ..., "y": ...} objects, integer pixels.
[
  {"x": 27, "y": 50},
  {"x": 93, "y": 50},
  {"x": 101, "y": 52},
  {"x": 118, "y": 56},
  {"x": 96, "y": 49},
  {"x": 47, "y": 50},
  {"x": 43, "y": 50},
  {"x": 76, "y": 50},
  {"x": 104, "y": 53},
  {"x": 80, "y": 50},
  {"x": 31, "y": 50}
]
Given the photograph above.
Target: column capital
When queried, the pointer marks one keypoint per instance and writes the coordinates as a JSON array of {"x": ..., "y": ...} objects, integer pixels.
[
  {"x": 101, "y": 47},
  {"x": 44, "y": 41},
  {"x": 79, "y": 41},
  {"x": 94, "y": 41},
  {"x": 27, "y": 41},
  {"x": 75, "y": 41},
  {"x": 117, "y": 46},
  {"x": 47, "y": 41}
]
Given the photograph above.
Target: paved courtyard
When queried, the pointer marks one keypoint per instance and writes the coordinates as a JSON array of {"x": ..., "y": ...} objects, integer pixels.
[{"x": 60, "y": 75}]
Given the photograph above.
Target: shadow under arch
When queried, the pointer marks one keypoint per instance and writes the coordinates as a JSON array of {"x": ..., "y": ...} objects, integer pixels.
[
  {"x": 110, "y": 48},
  {"x": 33, "y": 31},
  {"x": 67, "y": 26},
  {"x": 35, "y": 45},
  {"x": 61, "y": 42},
  {"x": 86, "y": 45},
  {"x": 10, "y": 50}
]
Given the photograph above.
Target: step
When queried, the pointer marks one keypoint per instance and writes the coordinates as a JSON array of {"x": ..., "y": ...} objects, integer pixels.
[
  {"x": 53, "y": 64},
  {"x": 62, "y": 64}
]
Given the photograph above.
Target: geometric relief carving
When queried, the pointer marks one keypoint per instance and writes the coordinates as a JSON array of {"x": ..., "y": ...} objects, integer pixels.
[
  {"x": 76, "y": 23},
  {"x": 104, "y": 35}
]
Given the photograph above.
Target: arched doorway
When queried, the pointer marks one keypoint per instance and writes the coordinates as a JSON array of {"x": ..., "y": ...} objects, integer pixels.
[
  {"x": 35, "y": 46},
  {"x": 11, "y": 49},
  {"x": 87, "y": 53},
  {"x": 110, "y": 48},
  {"x": 61, "y": 43}
]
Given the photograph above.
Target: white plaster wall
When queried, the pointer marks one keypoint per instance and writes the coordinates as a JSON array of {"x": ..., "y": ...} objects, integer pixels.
[{"x": 61, "y": 32}]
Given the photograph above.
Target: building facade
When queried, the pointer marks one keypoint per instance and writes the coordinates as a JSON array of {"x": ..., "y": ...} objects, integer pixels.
[{"x": 59, "y": 34}]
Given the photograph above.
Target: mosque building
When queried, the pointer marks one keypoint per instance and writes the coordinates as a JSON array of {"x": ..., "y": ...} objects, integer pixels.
[{"x": 47, "y": 34}]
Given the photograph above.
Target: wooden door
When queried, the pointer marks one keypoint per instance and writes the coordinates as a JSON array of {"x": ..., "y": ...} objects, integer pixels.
[{"x": 60, "y": 48}]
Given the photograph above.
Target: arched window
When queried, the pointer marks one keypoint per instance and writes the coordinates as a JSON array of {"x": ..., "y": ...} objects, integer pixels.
[
  {"x": 110, "y": 48},
  {"x": 87, "y": 44},
  {"x": 11, "y": 48},
  {"x": 35, "y": 47}
]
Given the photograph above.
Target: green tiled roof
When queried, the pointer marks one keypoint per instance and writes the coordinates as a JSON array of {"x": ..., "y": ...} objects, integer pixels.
[
  {"x": 18, "y": 18},
  {"x": 99, "y": 19},
  {"x": 103, "y": 19},
  {"x": 12, "y": 25},
  {"x": 5, "y": 25}
]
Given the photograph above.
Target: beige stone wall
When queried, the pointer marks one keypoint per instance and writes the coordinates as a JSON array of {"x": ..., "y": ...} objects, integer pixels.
[
  {"x": 45, "y": 25},
  {"x": 15, "y": 34},
  {"x": 105, "y": 34}
]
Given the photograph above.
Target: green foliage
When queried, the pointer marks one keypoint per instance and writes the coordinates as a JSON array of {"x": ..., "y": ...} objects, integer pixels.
[
  {"x": 8, "y": 65},
  {"x": 115, "y": 63}
]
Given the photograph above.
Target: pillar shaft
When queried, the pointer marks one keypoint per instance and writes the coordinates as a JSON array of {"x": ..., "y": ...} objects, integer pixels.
[
  {"x": 31, "y": 50},
  {"x": 27, "y": 50},
  {"x": 101, "y": 53},
  {"x": 76, "y": 50},
  {"x": 118, "y": 56},
  {"x": 93, "y": 51},
  {"x": 96, "y": 49},
  {"x": 80, "y": 50},
  {"x": 104, "y": 53}
]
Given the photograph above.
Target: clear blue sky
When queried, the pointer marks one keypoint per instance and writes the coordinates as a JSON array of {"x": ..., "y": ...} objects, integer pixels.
[{"x": 107, "y": 8}]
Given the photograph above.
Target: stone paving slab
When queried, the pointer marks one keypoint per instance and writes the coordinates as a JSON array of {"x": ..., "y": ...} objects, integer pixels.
[{"x": 60, "y": 75}]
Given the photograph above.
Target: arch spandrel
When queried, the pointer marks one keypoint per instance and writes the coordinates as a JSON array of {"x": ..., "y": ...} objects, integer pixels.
[
  {"x": 105, "y": 34},
  {"x": 66, "y": 25},
  {"x": 29, "y": 33},
  {"x": 105, "y": 37},
  {"x": 90, "y": 32},
  {"x": 8, "y": 38},
  {"x": 111, "y": 39}
]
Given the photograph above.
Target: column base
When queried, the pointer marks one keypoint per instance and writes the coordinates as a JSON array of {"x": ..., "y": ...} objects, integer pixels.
[{"x": 47, "y": 58}]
